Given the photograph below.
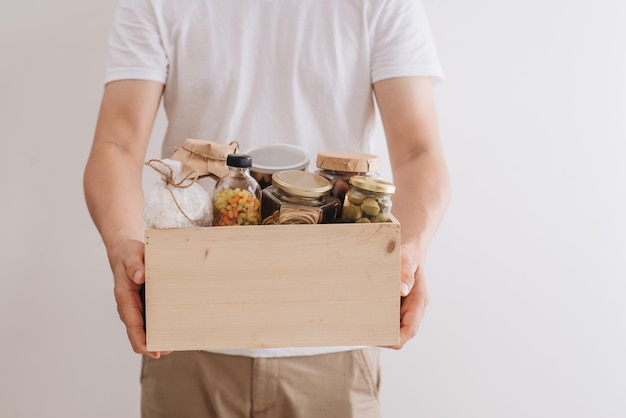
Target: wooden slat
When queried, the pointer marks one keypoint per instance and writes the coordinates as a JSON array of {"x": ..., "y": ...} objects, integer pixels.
[{"x": 272, "y": 286}]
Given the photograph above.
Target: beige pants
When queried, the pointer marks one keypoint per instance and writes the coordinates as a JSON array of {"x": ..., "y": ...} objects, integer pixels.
[{"x": 197, "y": 384}]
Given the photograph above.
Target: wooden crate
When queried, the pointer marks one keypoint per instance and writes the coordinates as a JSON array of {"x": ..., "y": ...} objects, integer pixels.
[{"x": 272, "y": 286}]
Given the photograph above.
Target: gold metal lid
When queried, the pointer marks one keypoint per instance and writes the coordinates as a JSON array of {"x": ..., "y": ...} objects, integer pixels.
[
  {"x": 373, "y": 184},
  {"x": 301, "y": 183},
  {"x": 351, "y": 162}
]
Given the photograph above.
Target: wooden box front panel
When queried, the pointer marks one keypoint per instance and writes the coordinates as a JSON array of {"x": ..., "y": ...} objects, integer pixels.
[{"x": 272, "y": 286}]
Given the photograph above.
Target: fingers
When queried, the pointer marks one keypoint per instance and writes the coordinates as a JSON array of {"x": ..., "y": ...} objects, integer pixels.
[
  {"x": 137, "y": 338},
  {"x": 410, "y": 322},
  {"x": 130, "y": 311},
  {"x": 129, "y": 306},
  {"x": 412, "y": 310}
]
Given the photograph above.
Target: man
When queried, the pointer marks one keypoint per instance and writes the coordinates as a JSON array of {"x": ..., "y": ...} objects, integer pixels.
[{"x": 267, "y": 71}]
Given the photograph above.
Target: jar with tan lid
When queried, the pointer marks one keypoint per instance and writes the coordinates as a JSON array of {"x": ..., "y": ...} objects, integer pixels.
[
  {"x": 368, "y": 200},
  {"x": 339, "y": 167},
  {"x": 298, "y": 197}
]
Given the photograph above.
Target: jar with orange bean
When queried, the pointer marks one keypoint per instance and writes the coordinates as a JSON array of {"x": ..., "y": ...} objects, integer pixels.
[{"x": 237, "y": 196}]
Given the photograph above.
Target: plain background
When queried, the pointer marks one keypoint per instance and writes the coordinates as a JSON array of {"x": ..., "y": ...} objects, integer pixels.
[{"x": 527, "y": 274}]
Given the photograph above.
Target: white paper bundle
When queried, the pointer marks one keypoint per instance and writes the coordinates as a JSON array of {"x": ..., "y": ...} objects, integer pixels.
[{"x": 176, "y": 202}]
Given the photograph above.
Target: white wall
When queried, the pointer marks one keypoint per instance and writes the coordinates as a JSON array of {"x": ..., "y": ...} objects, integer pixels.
[{"x": 528, "y": 311}]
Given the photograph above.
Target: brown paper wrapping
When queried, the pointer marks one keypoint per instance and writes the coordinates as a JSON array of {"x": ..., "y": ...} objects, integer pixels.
[
  {"x": 206, "y": 157},
  {"x": 352, "y": 162}
]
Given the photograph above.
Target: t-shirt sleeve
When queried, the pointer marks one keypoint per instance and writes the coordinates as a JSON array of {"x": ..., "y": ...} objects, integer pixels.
[
  {"x": 402, "y": 43},
  {"x": 135, "y": 45}
]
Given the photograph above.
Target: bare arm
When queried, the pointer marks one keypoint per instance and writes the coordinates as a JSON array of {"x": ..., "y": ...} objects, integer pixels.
[
  {"x": 113, "y": 191},
  {"x": 408, "y": 114}
]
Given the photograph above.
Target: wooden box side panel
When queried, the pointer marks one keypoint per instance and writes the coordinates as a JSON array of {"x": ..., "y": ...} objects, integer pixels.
[{"x": 272, "y": 286}]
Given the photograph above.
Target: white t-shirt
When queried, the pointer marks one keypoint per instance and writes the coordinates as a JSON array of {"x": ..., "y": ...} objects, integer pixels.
[{"x": 263, "y": 72}]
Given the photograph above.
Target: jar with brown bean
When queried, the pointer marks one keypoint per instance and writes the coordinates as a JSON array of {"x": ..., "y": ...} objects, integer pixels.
[{"x": 339, "y": 167}]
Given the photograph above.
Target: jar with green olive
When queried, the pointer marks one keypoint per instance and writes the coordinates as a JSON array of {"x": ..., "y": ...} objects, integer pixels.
[{"x": 368, "y": 200}]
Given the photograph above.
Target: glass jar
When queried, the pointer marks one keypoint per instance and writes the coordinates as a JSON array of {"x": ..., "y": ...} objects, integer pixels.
[
  {"x": 368, "y": 200},
  {"x": 237, "y": 196},
  {"x": 298, "y": 197},
  {"x": 270, "y": 159},
  {"x": 339, "y": 167}
]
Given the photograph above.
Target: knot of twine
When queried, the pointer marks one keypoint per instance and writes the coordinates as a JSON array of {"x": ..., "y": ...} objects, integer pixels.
[{"x": 167, "y": 175}]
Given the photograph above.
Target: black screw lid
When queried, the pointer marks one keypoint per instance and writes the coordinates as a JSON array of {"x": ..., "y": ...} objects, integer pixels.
[{"x": 239, "y": 160}]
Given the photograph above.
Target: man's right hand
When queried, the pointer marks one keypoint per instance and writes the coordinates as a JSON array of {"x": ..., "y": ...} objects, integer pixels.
[
  {"x": 129, "y": 273},
  {"x": 113, "y": 191}
]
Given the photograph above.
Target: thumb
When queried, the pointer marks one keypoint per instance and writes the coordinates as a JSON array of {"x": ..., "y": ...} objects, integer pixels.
[
  {"x": 137, "y": 276},
  {"x": 134, "y": 268},
  {"x": 408, "y": 270},
  {"x": 408, "y": 280}
]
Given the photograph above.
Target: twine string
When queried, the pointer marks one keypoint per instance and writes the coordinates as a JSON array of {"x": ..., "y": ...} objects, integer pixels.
[{"x": 286, "y": 215}]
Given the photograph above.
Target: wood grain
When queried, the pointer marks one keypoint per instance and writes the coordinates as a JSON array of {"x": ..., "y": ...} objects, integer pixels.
[{"x": 272, "y": 286}]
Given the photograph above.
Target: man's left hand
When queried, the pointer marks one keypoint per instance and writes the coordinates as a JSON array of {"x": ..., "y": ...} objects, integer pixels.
[{"x": 414, "y": 299}]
